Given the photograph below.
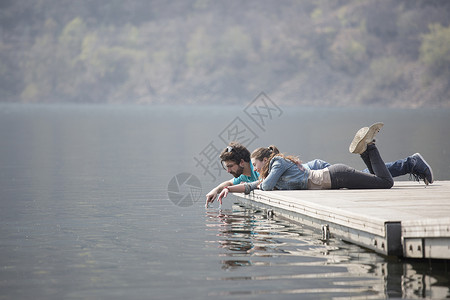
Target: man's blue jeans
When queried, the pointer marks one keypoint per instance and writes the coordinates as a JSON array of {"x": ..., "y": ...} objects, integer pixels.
[
  {"x": 399, "y": 167},
  {"x": 396, "y": 168}
]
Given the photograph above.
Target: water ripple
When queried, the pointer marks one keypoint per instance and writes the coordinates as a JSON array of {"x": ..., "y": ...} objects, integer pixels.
[{"x": 273, "y": 256}]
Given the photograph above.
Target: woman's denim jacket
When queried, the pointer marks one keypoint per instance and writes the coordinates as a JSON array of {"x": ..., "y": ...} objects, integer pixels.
[{"x": 283, "y": 175}]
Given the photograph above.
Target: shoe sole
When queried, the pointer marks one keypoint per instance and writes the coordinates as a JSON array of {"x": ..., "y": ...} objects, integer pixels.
[
  {"x": 429, "y": 168},
  {"x": 364, "y": 136}
]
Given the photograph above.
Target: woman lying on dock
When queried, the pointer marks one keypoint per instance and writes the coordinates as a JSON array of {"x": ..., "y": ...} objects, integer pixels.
[
  {"x": 281, "y": 172},
  {"x": 236, "y": 160}
]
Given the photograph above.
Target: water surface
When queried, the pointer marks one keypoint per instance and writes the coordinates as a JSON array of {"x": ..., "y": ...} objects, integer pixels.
[{"x": 85, "y": 212}]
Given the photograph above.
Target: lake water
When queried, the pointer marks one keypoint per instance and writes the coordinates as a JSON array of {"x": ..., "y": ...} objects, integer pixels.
[{"x": 92, "y": 205}]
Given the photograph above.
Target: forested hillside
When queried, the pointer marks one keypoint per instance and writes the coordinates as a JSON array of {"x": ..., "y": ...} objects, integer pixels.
[{"x": 338, "y": 53}]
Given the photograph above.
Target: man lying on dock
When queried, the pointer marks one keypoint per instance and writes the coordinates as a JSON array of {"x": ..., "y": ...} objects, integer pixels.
[{"x": 236, "y": 160}]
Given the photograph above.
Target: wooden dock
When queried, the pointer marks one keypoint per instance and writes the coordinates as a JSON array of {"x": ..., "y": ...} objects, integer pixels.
[{"x": 409, "y": 220}]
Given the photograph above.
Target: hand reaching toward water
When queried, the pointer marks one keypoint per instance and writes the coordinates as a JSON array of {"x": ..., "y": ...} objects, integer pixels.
[
  {"x": 210, "y": 197},
  {"x": 222, "y": 195}
]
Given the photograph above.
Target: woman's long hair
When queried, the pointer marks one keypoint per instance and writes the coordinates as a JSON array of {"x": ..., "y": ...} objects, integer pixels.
[{"x": 270, "y": 152}]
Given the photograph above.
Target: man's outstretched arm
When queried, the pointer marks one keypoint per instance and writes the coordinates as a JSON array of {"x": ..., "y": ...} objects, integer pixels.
[{"x": 211, "y": 196}]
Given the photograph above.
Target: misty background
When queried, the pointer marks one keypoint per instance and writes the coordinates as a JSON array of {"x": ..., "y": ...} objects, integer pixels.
[
  {"x": 393, "y": 53},
  {"x": 85, "y": 211}
]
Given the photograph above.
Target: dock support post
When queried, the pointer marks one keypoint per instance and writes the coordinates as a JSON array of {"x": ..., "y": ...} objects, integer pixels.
[
  {"x": 325, "y": 232},
  {"x": 394, "y": 238}
]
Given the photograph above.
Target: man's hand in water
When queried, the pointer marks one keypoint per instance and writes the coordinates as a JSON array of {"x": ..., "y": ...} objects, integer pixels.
[{"x": 210, "y": 197}]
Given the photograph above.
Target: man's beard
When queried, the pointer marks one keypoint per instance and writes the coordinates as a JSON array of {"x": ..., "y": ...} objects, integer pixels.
[{"x": 238, "y": 172}]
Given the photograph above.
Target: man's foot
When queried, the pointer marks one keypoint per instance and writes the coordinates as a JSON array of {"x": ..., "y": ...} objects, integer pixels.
[
  {"x": 363, "y": 137},
  {"x": 422, "y": 169}
]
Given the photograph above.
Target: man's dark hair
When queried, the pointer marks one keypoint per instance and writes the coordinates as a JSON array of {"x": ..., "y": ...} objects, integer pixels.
[{"x": 235, "y": 152}]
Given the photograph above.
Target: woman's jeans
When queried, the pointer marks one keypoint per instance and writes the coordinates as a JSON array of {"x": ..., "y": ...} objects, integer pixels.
[{"x": 343, "y": 176}]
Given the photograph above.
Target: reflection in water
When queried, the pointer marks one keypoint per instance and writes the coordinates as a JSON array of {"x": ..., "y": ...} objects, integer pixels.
[{"x": 276, "y": 256}]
